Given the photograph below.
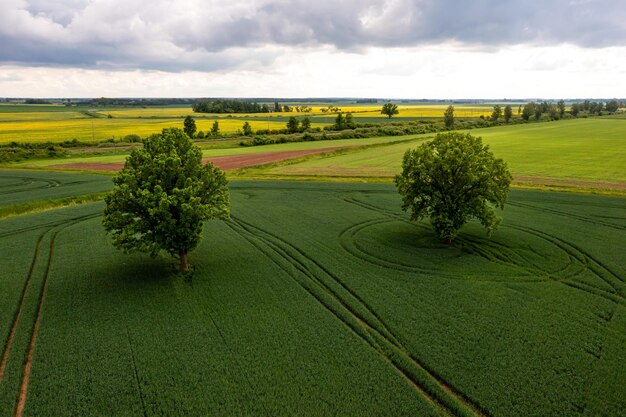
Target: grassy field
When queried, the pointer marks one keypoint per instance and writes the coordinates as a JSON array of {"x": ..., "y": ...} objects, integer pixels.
[
  {"x": 321, "y": 299},
  {"x": 231, "y": 149},
  {"x": 586, "y": 153},
  {"x": 584, "y": 149}
]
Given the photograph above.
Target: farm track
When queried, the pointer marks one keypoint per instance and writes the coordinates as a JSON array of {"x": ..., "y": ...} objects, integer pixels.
[
  {"x": 339, "y": 300},
  {"x": 585, "y": 260},
  {"x": 586, "y": 219},
  {"x": 36, "y": 227},
  {"x": 20, "y": 308},
  {"x": 576, "y": 255},
  {"x": 136, "y": 374},
  {"x": 347, "y": 240},
  {"x": 47, "y": 184},
  {"x": 55, "y": 230}
]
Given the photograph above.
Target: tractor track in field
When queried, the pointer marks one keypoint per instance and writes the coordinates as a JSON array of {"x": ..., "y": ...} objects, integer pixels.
[
  {"x": 577, "y": 255},
  {"x": 586, "y": 219},
  {"x": 136, "y": 374},
  {"x": 14, "y": 184},
  {"x": 23, "y": 389},
  {"x": 38, "y": 226},
  {"x": 48, "y": 184},
  {"x": 346, "y": 306},
  {"x": 20, "y": 307},
  {"x": 348, "y": 242}
]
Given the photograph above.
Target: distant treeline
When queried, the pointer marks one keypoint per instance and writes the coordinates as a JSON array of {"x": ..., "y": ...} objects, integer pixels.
[
  {"x": 230, "y": 106},
  {"x": 37, "y": 101},
  {"x": 136, "y": 102},
  {"x": 556, "y": 111}
]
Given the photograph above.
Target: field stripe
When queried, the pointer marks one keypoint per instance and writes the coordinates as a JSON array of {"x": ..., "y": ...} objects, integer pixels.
[
  {"x": 18, "y": 313},
  {"x": 23, "y": 390},
  {"x": 587, "y": 219},
  {"x": 132, "y": 356},
  {"x": 21, "y": 401}
]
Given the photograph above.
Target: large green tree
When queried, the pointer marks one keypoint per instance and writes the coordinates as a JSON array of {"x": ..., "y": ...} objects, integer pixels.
[
  {"x": 389, "y": 109},
  {"x": 452, "y": 179},
  {"x": 163, "y": 195}
]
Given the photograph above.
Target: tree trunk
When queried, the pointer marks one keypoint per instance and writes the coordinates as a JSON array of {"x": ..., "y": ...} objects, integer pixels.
[{"x": 184, "y": 266}]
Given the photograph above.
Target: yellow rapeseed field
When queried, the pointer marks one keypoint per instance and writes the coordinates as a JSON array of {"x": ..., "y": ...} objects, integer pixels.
[
  {"x": 87, "y": 129},
  {"x": 58, "y": 123}
]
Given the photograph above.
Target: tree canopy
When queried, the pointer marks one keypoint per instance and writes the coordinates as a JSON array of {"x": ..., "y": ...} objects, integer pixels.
[
  {"x": 448, "y": 117},
  {"x": 508, "y": 113},
  {"x": 293, "y": 124},
  {"x": 163, "y": 195},
  {"x": 229, "y": 106},
  {"x": 497, "y": 113},
  {"x": 247, "y": 129},
  {"x": 453, "y": 179},
  {"x": 190, "y": 126},
  {"x": 389, "y": 109}
]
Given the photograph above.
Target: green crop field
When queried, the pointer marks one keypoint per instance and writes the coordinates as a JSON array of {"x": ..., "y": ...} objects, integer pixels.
[
  {"x": 579, "y": 150},
  {"x": 17, "y": 187},
  {"x": 320, "y": 299}
]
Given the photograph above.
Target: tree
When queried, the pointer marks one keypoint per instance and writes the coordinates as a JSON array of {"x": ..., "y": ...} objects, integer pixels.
[
  {"x": 508, "y": 113},
  {"x": 349, "y": 121},
  {"x": 453, "y": 179},
  {"x": 538, "y": 111},
  {"x": 575, "y": 109},
  {"x": 553, "y": 112},
  {"x": 247, "y": 129},
  {"x": 215, "y": 129},
  {"x": 561, "y": 108},
  {"x": 190, "y": 126},
  {"x": 389, "y": 109},
  {"x": 612, "y": 106},
  {"x": 286, "y": 109},
  {"x": 340, "y": 122},
  {"x": 529, "y": 110},
  {"x": 305, "y": 124},
  {"x": 277, "y": 107},
  {"x": 163, "y": 195},
  {"x": 293, "y": 124},
  {"x": 497, "y": 113},
  {"x": 448, "y": 117}
]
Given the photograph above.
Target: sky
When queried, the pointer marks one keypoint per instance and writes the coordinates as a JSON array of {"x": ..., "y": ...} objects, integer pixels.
[{"x": 437, "y": 49}]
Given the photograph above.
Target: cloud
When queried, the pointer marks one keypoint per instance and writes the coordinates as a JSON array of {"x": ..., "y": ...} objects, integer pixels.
[{"x": 214, "y": 35}]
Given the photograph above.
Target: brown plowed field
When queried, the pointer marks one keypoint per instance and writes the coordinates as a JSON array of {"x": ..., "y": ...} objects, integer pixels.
[{"x": 223, "y": 162}]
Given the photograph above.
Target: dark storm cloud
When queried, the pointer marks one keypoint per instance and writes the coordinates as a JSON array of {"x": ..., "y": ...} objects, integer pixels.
[{"x": 212, "y": 35}]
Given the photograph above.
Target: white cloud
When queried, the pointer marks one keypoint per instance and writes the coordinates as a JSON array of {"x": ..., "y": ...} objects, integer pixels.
[{"x": 445, "y": 71}]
